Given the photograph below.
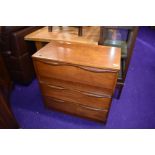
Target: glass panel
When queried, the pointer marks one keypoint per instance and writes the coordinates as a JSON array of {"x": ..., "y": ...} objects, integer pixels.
[{"x": 116, "y": 34}]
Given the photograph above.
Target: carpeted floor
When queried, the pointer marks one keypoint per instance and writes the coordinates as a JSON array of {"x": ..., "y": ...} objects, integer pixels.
[{"x": 135, "y": 108}]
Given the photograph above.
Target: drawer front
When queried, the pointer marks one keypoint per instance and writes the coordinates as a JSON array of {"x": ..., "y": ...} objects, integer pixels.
[
  {"x": 76, "y": 109},
  {"x": 85, "y": 98},
  {"x": 76, "y": 86},
  {"x": 79, "y": 74}
]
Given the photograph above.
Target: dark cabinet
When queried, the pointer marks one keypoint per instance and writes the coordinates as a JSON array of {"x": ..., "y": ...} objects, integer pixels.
[{"x": 7, "y": 120}]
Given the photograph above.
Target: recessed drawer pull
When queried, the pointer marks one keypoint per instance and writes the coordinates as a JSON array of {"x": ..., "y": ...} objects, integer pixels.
[
  {"x": 96, "y": 70},
  {"x": 54, "y": 63},
  {"x": 51, "y": 62},
  {"x": 95, "y": 95},
  {"x": 91, "y": 108},
  {"x": 56, "y": 87},
  {"x": 84, "y": 93},
  {"x": 57, "y": 100}
]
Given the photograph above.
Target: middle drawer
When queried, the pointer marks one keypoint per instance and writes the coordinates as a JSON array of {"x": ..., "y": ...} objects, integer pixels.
[{"x": 76, "y": 96}]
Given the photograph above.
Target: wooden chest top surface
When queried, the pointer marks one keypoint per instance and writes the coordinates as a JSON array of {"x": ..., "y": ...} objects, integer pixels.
[{"x": 102, "y": 57}]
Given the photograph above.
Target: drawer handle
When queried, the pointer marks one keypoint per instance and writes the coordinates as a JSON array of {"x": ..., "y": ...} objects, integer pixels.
[
  {"x": 56, "y": 87},
  {"x": 96, "y": 70},
  {"x": 59, "y": 100},
  {"x": 91, "y": 108},
  {"x": 84, "y": 93},
  {"x": 95, "y": 95},
  {"x": 54, "y": 63},
  {"x": 51, "y": 62}
]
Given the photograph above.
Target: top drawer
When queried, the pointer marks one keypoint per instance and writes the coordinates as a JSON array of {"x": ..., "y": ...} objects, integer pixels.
[{"x": 80, "y": 74}]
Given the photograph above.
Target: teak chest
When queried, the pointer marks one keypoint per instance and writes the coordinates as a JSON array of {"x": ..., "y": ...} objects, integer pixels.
[{"x": 78, "y": 78}]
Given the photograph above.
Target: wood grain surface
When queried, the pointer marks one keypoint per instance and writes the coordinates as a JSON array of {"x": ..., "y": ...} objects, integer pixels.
[{"x": 90, "y": 34}]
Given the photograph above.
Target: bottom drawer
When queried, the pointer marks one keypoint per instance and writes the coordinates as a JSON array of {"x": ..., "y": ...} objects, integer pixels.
[{"x": 76, "y": 109}]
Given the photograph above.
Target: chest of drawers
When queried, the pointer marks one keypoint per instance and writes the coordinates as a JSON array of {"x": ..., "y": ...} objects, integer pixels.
[{"x": 78, "y": 78}]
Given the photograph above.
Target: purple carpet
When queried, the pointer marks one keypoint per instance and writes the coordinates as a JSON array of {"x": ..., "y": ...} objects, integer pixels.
[{"x": 135, "y": 108}]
